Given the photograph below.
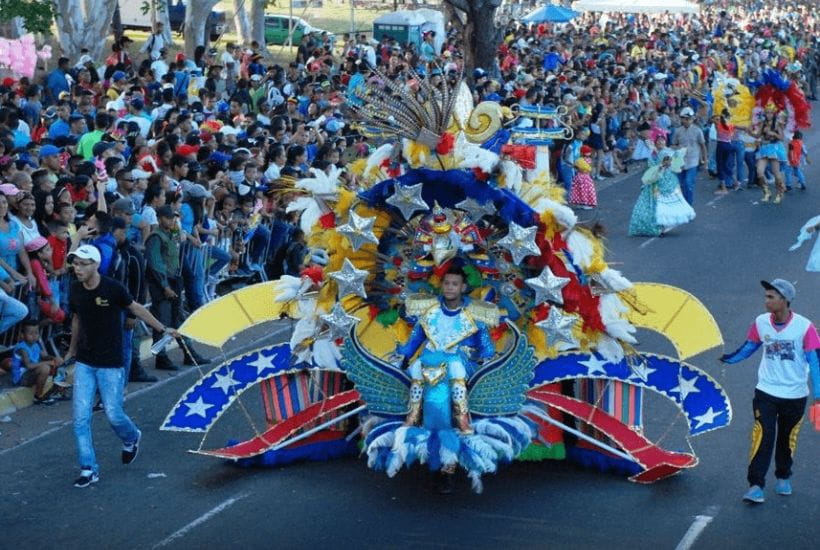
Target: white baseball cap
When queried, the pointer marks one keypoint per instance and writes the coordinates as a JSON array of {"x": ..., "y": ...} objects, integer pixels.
[
  {"x": 86, "y": 252},
  {"x": 687, "y": 112}
]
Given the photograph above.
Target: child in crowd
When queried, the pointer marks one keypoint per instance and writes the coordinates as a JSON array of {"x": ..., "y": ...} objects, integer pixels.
[
  {"x": 48, "y": 287},
  {"x": 30, "y": 366},
  {"x": 797, "y": 155},
  {"x": 583, "y": 188}
]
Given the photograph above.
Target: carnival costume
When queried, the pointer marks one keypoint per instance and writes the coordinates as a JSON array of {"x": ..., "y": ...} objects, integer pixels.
[
  {"x": 452, "y": 183},
  {"x": 813, "y": 265},
  {"x": 583, "y": 187}
]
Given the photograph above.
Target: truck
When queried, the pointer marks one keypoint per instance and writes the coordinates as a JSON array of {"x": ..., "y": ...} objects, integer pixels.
[{"x": 135, "y": 14}]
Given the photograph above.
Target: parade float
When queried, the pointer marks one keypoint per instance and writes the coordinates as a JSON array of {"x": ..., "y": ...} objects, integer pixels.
[{"x": 544, "y": 339}]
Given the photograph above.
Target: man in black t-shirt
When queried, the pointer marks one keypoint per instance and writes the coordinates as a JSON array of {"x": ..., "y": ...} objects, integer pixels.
[{"x": 100, "y": 304}]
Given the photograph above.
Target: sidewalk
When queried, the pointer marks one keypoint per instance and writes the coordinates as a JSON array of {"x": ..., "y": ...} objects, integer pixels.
[{"x": 13, "y": 399}]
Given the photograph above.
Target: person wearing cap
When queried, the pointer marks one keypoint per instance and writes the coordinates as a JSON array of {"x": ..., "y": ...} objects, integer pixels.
[
  {"x": 98, "y": 304},
  {"x": 60, "y": 126},
  {"x": 85, "y": 147},
  {"x": 690, "y": 137},
  {"x": 790, "y": 356},
  {"x": 163, "y": 269}
]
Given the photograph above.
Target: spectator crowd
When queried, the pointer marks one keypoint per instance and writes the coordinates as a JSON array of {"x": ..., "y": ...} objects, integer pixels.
[{"x": 180, "y": 170}]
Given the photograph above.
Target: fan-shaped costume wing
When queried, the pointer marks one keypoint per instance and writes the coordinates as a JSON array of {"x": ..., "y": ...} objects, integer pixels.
[
  {"x": 384, "y": 388},
  {"x": 500, "y": 388}
]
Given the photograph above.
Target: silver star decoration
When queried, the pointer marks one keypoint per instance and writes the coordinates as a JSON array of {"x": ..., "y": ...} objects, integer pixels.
[
  {"x": 224, "y": 382},
  {"x": 520, "y": 241},
  {"x": 558, "y": 328},
  {"x": 339, "y": 321},
  {"x": 707, "y": 418},
  {"x": 641, "y": 371},
  {"x": 407, "y": 199},
  {"x": 476, "y": 210},
  {"x": 350, "y": 280},
  {"x": 685, "y": 387},
  {"x": 262, "y": 362},
  {"x": 198, "y": 407},
  {"x": 359, "y": 230},
  {"x": 594, "y": 365},
  {"x": 547, "y": 286}
]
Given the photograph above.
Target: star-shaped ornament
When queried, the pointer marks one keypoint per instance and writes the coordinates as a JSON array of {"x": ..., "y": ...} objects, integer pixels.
[
  {"x": 558, "y": 328},
  {"x": 594, "y": 365},
  {"x": 262, "y": 362},
  {"x": 548, "y": 287},
  {"x": 641, "y": 371},
  {"x": 520, "y": 241},
  {"x": 339, "y": 321},
  {"x": 350, "y": 280},
  {"x": 407, "y": 198},
  {"x": 359, "y": 230},
  {"x": 476, "y": 210},
  {"x": 224, "y": 382},
  {"x": 198, "y": 407},
  {"x": 685, "y": 387},
  {"x": 706, "y": 418}
]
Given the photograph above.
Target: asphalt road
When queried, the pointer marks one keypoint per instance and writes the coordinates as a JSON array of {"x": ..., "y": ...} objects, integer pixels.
[{"x": 170, "y": 498}]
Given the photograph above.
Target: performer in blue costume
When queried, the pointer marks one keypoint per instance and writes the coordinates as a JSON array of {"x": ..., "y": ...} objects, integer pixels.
[{"x": 455, "y": 339}]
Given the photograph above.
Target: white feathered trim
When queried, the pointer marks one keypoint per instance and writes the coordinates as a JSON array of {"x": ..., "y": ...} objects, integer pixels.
[
  {"x": 475, "y": 479},
  {"x": 562, "y": 213},
  {"x": 287, "y": 287},
  {"x": 581, "y": 248},
  {"x": 326, "y": 354},
  {"x": 311, "y": 212},
  {"x": 374, "y": 161},
  {"x": 321, "y": 184},
  {"x": 304, "y": 328},
  {"x": 614, "y": 280},
  {"x": 384, "y": 440},
  {"x": 398, "y": 453},
  {"x": 513, "y": 176},
  {"x": 473, "y": 156},
  {"x": 610, "y": 349},
  {"x": 612, "y": 310}
]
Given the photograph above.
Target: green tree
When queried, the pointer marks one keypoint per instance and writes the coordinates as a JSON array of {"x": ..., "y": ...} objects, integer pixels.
[{"x": 37, "y": 15}]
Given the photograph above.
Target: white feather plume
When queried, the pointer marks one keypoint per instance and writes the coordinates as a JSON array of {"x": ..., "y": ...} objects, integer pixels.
[
  {"x": 581, "y": 248},
  {"x": 562, "y": 213},
  {"x": 326, "y": 354},
  {"x": 474, "y": 156},
  {"x": 614, "y": 280},
  {"x": 374, "y": 161},
  {"x": 304, "y": 328},
  {"x": 310, "y": 209},
  {"x": 287, "y": 288},
  {"x": 610, "y": 349},
  {"x": 612, "y": 309},
  {"x": 513, "y": 176}
]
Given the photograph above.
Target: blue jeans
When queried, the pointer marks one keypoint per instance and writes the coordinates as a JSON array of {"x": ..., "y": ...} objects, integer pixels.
[
  {"x": 109, "y": 381},
  {"x": 566, "y": 172},
  {"x": 750, "y": 157},
  {"x": 724, "y": 156},
  {"x": 795, "y": 172},
  {"x": 219, "y": 258},
  {"x": 127, "y": 341},
  {"x": 740, "y": 151},
  {"x": 12, "y": 311},
  {"x": 193, "y": 276},
  {"x": 687, "y": 178}
]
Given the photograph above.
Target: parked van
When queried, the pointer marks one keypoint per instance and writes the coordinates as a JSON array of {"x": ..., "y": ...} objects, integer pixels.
[
  {"x": 277, "y": 27},
  {"x": 133, "y": 17}
]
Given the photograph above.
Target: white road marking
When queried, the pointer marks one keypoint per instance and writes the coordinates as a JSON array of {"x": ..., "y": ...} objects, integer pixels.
[
  {"x": 646, "y": 243},
  {"x": 697, "y": 528},
  {"x": 718, "y": 198},
  {"x": 200, "y": 520}
]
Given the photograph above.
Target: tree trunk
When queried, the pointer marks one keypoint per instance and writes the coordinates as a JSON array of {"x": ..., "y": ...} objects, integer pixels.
[
  {"x": 240, "y": 19},
  {"x": 196, "y": 17},
  {"x": 116, "y": 23},
  {"x": 84, "y": 24},
  {"x": 13, "y": 29},
  {"x": 480, "y": 31},
  {"x": 159, "y": 13},
  {"x": 258, "y": 23}
]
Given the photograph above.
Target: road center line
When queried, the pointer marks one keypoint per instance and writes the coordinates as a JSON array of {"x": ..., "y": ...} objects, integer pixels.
[
  {"x": 646, "y": 243},
  {"x": 200, "y": 520},
  {"x": 697, "y": 528}
]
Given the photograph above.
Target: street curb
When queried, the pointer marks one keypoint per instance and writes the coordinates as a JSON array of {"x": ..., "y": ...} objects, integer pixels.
[{"x": 15, "y": 399}]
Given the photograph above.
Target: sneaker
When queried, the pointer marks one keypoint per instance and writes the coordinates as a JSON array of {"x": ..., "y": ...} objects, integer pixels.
[
  {"x": 48, "y": 401},
  {"x": 129, "y": 452},
  {"x": 755, "y": 495},
  {"x": 783, "y": 487},
  {"x": 87, "y": 477}
]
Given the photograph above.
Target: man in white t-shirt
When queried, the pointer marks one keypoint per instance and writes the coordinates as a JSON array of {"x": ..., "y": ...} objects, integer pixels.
[{"x": 790, "y": 355}]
